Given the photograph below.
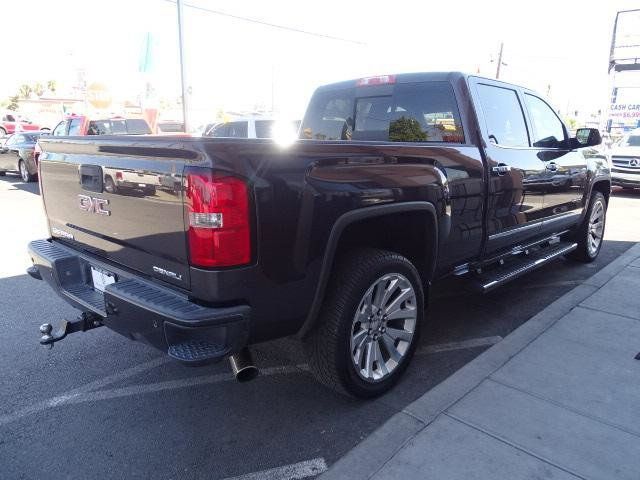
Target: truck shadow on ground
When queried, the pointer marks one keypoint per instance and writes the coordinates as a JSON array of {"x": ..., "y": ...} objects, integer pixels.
[
  {"x": 18, "y": 184},
  {"x": 164, "y": 417}
]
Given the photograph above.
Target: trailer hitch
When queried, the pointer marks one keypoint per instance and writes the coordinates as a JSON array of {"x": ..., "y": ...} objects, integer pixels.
[{"x": 86, "y": 321}]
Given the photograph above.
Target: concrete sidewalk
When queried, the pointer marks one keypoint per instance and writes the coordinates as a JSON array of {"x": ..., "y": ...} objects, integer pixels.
[{"x": 559, "y": 398}]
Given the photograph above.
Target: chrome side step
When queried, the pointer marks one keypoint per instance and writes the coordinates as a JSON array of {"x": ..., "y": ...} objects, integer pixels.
[{"x": 488, "y": 280}]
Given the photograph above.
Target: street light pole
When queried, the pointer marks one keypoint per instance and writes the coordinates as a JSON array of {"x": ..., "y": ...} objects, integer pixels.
[
  {"x": 183, "y": 75},
  {"x": 499, "y": 60}
]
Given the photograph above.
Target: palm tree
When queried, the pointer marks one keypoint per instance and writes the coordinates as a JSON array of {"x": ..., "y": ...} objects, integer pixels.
[
  {"x": 25, "y": 91},
  {"x": 38, "y": 88}
]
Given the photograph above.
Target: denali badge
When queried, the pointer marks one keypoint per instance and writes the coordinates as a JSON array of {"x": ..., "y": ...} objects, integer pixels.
[
  {"x": 61, "y": 233},
  {"x": 93, "y": 204},
  {"x": 167, "y": 273}
]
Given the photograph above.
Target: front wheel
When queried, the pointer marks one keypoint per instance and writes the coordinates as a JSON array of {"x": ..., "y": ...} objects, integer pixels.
[
  {"x": 369, "y": 326},
  {"x": 589, "y": 235}
]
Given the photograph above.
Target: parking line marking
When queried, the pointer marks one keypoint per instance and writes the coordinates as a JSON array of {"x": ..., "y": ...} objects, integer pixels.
[
  {"x": 306, "y": 469},
  {"x": 76, "y": 392},
  {"x": 175, "y": 384},
  {"x": 471, "y": 343},
  {"x": 91, "y": 391}
]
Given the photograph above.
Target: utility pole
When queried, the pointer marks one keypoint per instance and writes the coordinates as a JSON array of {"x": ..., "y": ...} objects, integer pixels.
[
  {"x": 499, "y": 60},
  {"x": 183, "y": 76}
]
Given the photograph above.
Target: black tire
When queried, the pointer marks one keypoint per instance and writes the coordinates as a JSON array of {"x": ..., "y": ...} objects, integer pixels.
[
  {"x": 586, "y": 253},
  {"x": 24, "y": 172},
  {"x": 328, "y": 345},
  {"x": 3, "y": 132},
  {"x": 150, "y": 190},
  {"x": 109, "y": 185},
  {"x": 3, "y": 173}
]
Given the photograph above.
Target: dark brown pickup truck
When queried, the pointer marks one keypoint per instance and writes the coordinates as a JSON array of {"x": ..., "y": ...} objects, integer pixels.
[{"x": 396, "y": 181}]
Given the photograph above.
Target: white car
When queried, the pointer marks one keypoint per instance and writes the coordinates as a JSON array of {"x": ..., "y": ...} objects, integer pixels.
[
  {"x": 625, "y": 161},
  {"x": 254, "y": 127}
]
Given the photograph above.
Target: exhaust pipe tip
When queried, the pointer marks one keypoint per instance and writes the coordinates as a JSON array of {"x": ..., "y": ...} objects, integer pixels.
[{"x": 242, "y": 365}]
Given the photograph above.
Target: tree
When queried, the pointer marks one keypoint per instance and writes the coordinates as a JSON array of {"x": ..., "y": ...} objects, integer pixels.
[
  {"x": 25, "y": 91},
  {"x": 52, "y": 85},
  {"x": 406, "y": 130},
  {"x": 13, "y": 103},
  {"x": 38, "y": 88}
]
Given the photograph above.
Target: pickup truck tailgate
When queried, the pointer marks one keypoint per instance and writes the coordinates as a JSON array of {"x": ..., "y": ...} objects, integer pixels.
[{"x": 120, "y": 202}]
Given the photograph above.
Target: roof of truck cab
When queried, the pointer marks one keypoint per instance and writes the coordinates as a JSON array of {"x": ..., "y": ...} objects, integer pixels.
[{"x": 417, "y": 77}]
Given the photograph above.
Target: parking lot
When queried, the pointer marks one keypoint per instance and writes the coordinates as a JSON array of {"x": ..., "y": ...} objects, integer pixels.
[{"x": 100, "y": 406}]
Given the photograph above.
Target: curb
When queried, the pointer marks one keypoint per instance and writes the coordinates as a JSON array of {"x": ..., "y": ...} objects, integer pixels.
[{"x": 368, "y": 457}]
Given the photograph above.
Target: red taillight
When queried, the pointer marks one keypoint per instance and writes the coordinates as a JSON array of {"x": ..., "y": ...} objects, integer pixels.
[
  {"x": 217, "y": 219},
  {"x": 118, "y": 175},
  {"x": 379, "y": 80}
]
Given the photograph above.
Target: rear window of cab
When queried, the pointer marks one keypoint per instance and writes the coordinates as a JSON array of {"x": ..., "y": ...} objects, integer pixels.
[{"x": 414, "y": 112}]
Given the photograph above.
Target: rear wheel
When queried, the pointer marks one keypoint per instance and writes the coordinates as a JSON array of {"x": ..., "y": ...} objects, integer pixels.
[
  {"x": 590, "y": 233},
  {"x": 369, "y": 326},
  {"x": 24, "y": 172},
  {"x": 3, "y": 173}
]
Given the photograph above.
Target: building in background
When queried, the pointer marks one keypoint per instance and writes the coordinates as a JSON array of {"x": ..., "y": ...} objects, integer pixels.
[{"x": 624, "y": 71}]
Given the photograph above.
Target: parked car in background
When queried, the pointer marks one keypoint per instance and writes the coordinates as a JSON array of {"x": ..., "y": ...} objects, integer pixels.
[
  {"x": 123, "y": 180},
  {"x": 170, "y": 126},
  {"x": 12, "y": 123},
  {"x": 81, "y": 125},
  {"x": 625, "y": 161},
  {"x": 254, "y": 127},
  {"x": 17, "y": 154}
]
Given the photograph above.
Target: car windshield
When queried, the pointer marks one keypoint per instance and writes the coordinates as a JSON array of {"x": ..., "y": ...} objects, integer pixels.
[{"x": 630, "y": 141}]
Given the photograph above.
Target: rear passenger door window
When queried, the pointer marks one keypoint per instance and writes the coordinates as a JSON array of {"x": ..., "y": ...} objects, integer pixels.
[
  {"x": 99, "y": 127},
  {"x": 548, "y": 131},
  {"x": 503, "y": 114}
]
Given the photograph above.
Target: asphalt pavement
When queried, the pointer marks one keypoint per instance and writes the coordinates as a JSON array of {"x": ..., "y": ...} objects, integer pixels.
[
  {"x": 556, "y": 399},
  {"x": 100, "y": 406}
]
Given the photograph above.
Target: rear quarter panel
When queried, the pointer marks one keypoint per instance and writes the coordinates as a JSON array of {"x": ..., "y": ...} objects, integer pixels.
[{"x": 301, "y": 191}]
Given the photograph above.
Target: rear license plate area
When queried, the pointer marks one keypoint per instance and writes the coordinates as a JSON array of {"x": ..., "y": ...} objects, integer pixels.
[{"x": 101, "y": 279}]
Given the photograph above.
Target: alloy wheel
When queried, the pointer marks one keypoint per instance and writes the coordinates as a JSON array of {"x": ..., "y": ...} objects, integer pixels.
[
  {"x": 595, "y": 231},
  {"x": 24, "y": 173},
  {"x": 383, "y": 327}
]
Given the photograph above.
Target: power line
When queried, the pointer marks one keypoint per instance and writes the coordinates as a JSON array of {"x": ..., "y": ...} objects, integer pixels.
[{"x": 268, "y": 24}]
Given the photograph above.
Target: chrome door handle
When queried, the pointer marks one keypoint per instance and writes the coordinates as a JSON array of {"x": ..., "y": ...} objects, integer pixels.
[
  {"x": 552, "y": 166},
  {"x": 501, "y": 169}
]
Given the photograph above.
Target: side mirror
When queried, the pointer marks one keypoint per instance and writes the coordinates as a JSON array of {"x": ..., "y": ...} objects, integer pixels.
[{"x": 587, "y": 137}]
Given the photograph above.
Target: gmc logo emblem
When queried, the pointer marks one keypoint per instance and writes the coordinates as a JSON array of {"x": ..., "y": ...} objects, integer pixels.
[{"x": 93, "y": 204}]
